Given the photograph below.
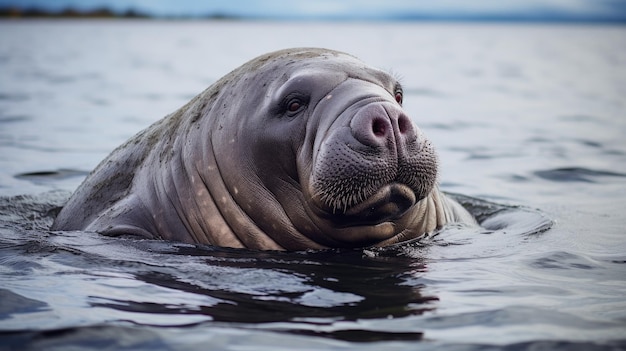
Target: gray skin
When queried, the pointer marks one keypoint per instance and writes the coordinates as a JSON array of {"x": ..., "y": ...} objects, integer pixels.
[{"x": 296, "y": 149}]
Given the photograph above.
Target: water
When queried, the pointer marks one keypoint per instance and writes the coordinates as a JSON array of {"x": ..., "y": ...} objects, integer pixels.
[{"x": 522, "y": 115}]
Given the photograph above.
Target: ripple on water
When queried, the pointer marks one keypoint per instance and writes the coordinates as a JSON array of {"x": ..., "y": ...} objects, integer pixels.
[
  {"x": 576, "y": 174},
  {"x": 47, "y": 177},
  {"x": 13, "y": 97},
  {"x": 12, "y": 303},
  {"x": 564, "y": 260},
  {"x": 15, "y": 119}
]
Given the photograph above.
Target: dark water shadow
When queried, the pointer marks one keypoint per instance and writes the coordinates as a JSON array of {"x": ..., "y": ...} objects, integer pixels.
[{"x": 310, "y": 291}]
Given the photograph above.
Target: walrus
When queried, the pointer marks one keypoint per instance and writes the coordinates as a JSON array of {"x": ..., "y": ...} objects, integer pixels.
[{"x": 303, "y": 148}]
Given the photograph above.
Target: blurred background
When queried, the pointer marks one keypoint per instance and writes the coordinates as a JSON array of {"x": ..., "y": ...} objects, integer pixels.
[{"x": 482, "y": 10}]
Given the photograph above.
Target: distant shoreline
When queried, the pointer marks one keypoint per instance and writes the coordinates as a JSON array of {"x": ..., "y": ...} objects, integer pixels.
[
  {"x": 73, "y": 13},
  {"x": 35, "y": 12},
  {"x": 14, "y": 12},
  {"x": 103, "y": 12}
]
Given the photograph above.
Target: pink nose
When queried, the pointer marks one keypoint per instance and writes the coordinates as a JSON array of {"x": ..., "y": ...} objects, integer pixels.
[{"x": 383, "y": 125}]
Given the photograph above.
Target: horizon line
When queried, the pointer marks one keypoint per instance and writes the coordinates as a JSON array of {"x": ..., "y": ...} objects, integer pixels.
[{"x": 16, "y": 12}]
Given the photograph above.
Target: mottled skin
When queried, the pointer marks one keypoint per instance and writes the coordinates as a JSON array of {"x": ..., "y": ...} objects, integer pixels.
[{"x": 296, "y": 149}]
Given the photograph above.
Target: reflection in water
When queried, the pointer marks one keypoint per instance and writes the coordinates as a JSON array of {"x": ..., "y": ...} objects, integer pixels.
[{"x": 308, "y": 290}]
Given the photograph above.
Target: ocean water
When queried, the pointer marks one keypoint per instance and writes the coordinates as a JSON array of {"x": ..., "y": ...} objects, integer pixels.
[{"x": 529, "y": 122}]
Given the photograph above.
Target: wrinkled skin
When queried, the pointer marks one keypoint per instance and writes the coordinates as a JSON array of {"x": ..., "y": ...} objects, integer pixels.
[{"x": 296, "y": 149}]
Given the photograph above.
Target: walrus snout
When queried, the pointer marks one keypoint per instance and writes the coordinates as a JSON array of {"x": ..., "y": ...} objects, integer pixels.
[
  {"x": 376, "y": 168},
  {"x": 381, "y": 125}
]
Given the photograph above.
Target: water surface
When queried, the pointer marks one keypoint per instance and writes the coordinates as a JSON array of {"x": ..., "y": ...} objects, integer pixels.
[{"x": 528, "y": 121}]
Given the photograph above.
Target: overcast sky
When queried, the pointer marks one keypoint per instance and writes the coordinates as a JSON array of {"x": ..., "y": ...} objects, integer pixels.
[{"x": 348, "y": 8}]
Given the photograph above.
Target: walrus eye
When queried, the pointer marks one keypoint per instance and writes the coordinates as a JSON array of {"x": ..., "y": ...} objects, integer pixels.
[
  {"x": 294, "y": 106},
  {"x": 399, "y": 97}
]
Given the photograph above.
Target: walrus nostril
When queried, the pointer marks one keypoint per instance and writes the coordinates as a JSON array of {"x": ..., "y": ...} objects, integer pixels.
[
  {"x": 404, "y": 125},
  {"x": 379, "y": 127}
]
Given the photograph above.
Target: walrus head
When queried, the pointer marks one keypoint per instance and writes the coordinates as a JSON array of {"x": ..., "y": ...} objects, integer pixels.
[{"x": 325, "y": 153}]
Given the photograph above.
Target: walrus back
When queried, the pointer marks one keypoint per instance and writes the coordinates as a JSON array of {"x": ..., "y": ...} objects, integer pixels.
[
  {"x": 107, "y": 184},
  {"x": 112, "y": 180}
]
